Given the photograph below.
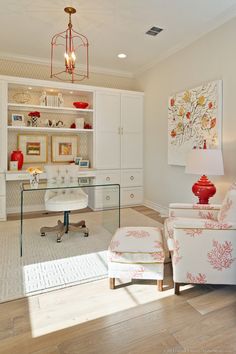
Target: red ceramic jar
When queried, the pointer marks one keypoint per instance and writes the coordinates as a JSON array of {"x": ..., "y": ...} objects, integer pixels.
[{"x": 18, "y": 156}]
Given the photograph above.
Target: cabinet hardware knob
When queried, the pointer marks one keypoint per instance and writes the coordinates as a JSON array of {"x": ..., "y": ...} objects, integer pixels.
[
  {"x": 108, "y": 197},
  {"x": 131, "y": 195},
  {"x": 132, "y": 178},
  {"x": 107, "y": 178}
]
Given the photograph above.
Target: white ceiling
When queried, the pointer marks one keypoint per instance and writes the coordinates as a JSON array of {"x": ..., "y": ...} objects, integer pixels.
[{"x": 112, "y": 27}]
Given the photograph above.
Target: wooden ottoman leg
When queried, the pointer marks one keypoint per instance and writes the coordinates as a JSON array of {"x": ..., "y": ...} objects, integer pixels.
[
  {"x": 176, "y": 285},
  {"x": 112, "y": 283},
  {"x": 160, "y": 285}
]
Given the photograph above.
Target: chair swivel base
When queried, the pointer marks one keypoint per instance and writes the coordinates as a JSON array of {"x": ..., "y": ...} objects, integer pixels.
[{"x": 62, "y": 229}]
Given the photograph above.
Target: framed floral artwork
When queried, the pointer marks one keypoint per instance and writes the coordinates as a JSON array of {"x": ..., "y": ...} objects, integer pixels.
[
  {"x": 64, "y": 148},
  {"x": 33, "y": 147},
  {"x": 194, "y": 115}
]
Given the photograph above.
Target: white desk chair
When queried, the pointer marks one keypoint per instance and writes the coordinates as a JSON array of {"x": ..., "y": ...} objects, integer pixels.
[{"x": 65, "y": 200}]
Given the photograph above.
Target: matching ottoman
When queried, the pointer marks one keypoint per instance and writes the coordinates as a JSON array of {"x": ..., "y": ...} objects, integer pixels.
[{"x": 136, "y": 253}]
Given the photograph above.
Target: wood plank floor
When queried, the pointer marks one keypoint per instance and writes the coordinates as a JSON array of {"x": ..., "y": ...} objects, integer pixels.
[{"x": 91, "y": 318}]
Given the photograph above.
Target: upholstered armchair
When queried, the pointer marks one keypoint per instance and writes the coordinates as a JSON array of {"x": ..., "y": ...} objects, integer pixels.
[
  {"x": 64, "y": 200},
  {"x": 202, "y": 241}
]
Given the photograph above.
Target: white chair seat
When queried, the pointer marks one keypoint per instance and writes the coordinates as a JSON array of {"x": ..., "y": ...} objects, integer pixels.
[{"x": 67, "y": 201}]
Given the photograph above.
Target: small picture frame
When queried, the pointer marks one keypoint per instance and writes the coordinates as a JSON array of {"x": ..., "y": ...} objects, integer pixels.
[
  {"x": 13, "y": 165},
  {"x": 84, "y": 180},
  {"x": 77, "y": 160},
  {"x": 84, "y": 163},
  {"x": 17, "y": 119}
]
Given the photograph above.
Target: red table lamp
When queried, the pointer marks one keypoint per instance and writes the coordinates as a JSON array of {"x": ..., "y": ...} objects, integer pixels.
[{"x": 204, "y": 162}]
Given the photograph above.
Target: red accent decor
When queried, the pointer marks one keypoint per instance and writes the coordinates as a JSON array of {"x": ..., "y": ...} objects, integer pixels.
[
  {"x": 18, "y": 156},
  {"x": 82, "y": 105},
  {"x": 34, "y": 114},
  {"x": 203, "y": 189}
]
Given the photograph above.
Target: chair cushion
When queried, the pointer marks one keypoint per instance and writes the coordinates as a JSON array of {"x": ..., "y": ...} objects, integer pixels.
[
  {"x": 227, "y": 211},
  {"x": 136, "y": 258},
  {"x": 67, "y": 201},
  {"x": 137, "y": 240}
]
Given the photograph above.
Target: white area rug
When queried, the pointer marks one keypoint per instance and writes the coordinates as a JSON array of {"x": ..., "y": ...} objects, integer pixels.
[{"x": 48, "y": 265}]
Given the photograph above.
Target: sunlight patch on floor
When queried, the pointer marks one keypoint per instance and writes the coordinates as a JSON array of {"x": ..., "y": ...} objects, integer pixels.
[{"x": 72, "y": 306}]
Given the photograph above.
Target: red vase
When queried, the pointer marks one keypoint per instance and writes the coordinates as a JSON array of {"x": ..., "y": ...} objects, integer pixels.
[{"x": 18, "y": 156}]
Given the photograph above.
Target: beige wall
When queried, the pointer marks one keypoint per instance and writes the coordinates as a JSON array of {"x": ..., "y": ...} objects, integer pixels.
[
  {"x": 35, "y": 71},
  {"x": 210, "y": 58}
]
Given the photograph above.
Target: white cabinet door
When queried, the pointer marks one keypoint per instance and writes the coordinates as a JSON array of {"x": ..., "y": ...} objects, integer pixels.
[
  {"x": 2, "y": 184},
  {"x": 3, "y": 208},
  {"x": 3, "y": 126},
  {"x": 107, "y": 130},
  {"x": 131, "y": 196},
  {"x": 131, "y": 178},
  {"x": 132, "y": 131},
  {"x": 108, "y": 177}
]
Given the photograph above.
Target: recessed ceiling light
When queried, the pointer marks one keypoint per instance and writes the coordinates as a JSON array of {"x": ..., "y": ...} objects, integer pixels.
[
  {"x": 51, "y": 90},
  {"x": 29, "y": 88},
  {"x": 122, "y": 56},
  {"x": 71, "y": 92}
]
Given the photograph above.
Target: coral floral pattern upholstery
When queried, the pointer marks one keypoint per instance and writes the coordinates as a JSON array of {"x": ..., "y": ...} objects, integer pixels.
[
  {"x": 136, "y": 252},
  {"x": 203, "y": 248},
  {"x": 227, "y": 212}
]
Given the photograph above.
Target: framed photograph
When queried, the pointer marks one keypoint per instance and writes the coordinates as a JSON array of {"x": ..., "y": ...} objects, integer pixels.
[
  {"x": 64, "y": 148},
  {"x": 84, "y": 163},
  {"x": 13, "y": 165},
  {"x": 33, "y": 147},
  {"x": 84, "y": 180},
  {"x": 17, "y": 119},
  {"x": 77, "y": 160}
]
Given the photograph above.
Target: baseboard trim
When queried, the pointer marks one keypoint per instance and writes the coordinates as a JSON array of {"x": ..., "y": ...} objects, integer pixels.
[
  {"x": 27, "y": 208},
  {"x": 164, "y": 211}
]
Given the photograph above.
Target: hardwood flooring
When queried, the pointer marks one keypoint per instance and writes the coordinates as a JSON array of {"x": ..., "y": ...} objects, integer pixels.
[{"x": 134, "y": 318}]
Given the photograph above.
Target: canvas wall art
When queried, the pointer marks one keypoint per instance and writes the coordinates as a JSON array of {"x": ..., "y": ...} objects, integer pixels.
[{"x": 194, "y": 116}]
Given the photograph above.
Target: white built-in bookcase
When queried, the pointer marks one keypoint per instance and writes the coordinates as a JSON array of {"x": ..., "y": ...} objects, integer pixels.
[{"x": 113, "y": 145}]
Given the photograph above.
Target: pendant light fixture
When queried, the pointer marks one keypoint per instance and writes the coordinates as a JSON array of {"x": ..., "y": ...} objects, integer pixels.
[{"x": 74, "y": 47}]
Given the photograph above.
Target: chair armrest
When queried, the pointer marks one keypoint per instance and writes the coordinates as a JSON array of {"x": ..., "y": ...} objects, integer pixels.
[
  {"x": 199, "y": 211},
  {"x": 194, "y": 224}
]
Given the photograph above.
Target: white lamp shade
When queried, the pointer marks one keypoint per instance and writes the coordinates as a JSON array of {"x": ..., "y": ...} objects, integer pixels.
[{"x": 205, "y": 162}]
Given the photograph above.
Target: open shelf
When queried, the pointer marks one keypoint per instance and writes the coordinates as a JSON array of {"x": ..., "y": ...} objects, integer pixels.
[
  {"x": 48, "y": 129},
  {"x": 29, "y": 107}
]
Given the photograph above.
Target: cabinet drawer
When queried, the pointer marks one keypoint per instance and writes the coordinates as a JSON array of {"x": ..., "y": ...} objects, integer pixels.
[
  {"x": 2, "y": 184},
  {"x": 131, "y": 178},
  {"x": 106, "y": 177},
  {"x": 106, "y": 198},
  {"x": 2, "y": 208},
  {"x": 130, "y": 196}
]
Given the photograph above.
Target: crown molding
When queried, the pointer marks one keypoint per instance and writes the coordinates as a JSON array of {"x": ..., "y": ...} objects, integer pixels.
[{"x": 46, "y": 62}]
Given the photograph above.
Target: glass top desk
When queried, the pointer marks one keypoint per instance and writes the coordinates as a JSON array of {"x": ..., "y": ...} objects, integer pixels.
[{"x": 107, "y": 203}]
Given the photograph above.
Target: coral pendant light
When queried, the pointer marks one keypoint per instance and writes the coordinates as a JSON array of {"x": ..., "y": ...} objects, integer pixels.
[{"x": 75, "y": 47}]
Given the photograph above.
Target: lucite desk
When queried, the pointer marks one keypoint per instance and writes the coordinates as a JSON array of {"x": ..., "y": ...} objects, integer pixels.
[{"x": 113, "y": 217}]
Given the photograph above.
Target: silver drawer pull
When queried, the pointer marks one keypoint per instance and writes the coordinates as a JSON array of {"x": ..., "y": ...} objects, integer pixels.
[
  {"x": 108, "y": 197},
  {"x": 108, "y": 178},
  {"x": 132, "y": 178},
  {"x": 131, "y": 195}
]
